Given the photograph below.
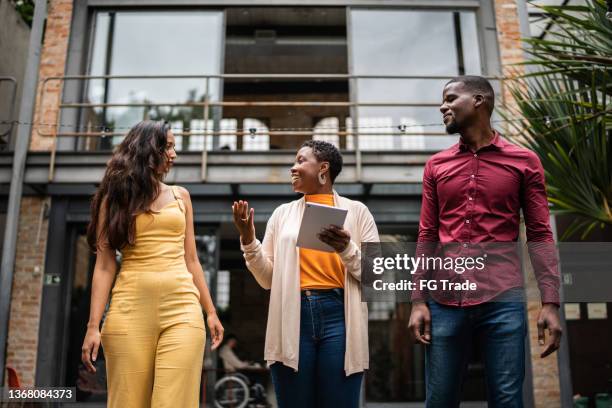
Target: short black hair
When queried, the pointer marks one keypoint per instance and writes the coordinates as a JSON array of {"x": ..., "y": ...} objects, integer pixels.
[
  {"x": 479, "y": 85},
  {"x": 325, "y": 151}
]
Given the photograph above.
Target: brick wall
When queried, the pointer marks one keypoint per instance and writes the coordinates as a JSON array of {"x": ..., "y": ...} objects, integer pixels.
[
  {"x": 52, "y": 63},
  {"x": 30, "y": 259},
  {"x": 545, "y": 371},
  {"x": 509, "y": 39},
  {"x": 27, "y": 290}
]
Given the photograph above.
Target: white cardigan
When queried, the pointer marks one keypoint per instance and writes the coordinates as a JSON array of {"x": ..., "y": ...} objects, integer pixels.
[{"x": 275, "y": 264}]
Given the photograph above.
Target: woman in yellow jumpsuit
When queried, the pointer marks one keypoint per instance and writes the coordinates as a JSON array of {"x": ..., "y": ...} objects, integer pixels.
[{"x": 153, "y": 334}]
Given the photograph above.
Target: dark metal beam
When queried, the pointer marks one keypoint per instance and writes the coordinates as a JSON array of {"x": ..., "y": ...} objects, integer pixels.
[
  {"x": 455, "y": 4},
  {"x": 233, "y": 191},
  {"x": 224, "y": 167},
  {"x": 22, "y": 142},
  {"x": 217, "y": 209}
]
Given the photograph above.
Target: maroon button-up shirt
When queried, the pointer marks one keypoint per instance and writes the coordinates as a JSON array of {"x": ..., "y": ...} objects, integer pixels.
[{"x": 475, "y": 198}]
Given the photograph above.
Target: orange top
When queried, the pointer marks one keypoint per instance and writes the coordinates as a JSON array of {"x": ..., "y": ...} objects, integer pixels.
[{"x": 319, "y": 269}]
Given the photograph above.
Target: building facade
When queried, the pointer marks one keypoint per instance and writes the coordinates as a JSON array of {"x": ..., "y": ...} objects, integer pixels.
[
  {"x": 14, "y": 35},
  {"x": 244, "y": 83}
]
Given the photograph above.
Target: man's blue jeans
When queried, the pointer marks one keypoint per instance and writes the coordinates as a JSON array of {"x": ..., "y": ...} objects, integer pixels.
[
  {"x": 499, "y": 328},
  {"x": 320, "y": 380}
]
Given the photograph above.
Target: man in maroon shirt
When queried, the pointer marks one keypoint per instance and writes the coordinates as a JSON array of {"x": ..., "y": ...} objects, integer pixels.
[{"x": 472, "y": 195}]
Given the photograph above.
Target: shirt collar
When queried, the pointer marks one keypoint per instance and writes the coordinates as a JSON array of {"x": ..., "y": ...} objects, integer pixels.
[{"x": 497, "y": 142}]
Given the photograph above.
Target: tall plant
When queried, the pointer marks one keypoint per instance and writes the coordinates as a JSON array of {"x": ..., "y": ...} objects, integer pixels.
[
  {"x": 563, "y": 101},
  {"x": 26, "y": 9}
]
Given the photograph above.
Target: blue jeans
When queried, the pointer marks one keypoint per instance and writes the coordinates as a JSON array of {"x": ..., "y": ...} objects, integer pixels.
[
  {"x": 320, "y": 380},
  {"x": 499, "y": 328}
]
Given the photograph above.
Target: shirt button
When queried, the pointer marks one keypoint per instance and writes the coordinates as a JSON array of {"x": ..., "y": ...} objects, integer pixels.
[
  {"x": 465, "y": 245},
  {"x": 467, "y": 221},
  {"x": 472, "y": 176},
  {"x": 475, "y": 155},
  {"x": 470, "y": 198}
]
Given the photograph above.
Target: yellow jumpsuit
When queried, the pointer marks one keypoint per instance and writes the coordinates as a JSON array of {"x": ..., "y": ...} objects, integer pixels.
[{"x": 153, "y": 335}]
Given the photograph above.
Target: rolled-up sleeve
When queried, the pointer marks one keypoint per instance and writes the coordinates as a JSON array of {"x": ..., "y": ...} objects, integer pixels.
[
  {"x": 351, "y": 256},
  {"x": 259, "y": 257}
]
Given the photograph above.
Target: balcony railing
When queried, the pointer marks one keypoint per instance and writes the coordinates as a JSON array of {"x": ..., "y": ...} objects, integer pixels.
[{"x": 356, "y": 134}]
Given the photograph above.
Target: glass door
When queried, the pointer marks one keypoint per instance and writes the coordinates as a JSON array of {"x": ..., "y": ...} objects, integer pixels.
[{"x": 92, "y": 387}]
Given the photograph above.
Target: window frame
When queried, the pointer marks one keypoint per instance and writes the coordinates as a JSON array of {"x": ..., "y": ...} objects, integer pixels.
[{"x": 84, "y": 11}]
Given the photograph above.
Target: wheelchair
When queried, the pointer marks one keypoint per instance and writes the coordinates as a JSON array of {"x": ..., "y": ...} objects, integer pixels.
[{"x": 236, "y": 390}]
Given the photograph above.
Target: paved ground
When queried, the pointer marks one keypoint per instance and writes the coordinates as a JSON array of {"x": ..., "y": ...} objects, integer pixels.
[
  {"x": 421, "y": 405},
  {"x": 369, "y": 405}
]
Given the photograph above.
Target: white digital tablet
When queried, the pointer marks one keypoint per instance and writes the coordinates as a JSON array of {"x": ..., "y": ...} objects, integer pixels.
[{"x": 316, "y": 217}]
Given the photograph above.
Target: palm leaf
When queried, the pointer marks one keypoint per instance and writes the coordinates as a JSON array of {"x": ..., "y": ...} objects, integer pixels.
[{"x": 567, "y": 118}]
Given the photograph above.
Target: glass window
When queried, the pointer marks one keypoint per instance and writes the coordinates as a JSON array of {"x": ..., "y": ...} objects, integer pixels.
[
  {"x": 206, "y": 245},
  {"x": 285, "y": 41},
  {"x": 327, "y": 129},
  {"x": 227, "y": 138},
  {"x": 419, "y": 43},
  {"x": 258, "y": 137},
  {"x": 152, "y": 44},
  {"x": 469, "y": 42},
  {"x": 223, "y": 290},
  {"x": 380, "y": 310}
]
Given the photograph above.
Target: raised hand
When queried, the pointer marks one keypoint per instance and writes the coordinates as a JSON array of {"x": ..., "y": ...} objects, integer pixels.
[{"x": 243, "y": 220}]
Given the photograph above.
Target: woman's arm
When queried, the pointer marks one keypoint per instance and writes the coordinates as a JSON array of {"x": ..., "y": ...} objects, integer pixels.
[
  {"x": 194, "y": 266},
  {"x": 103, "y": 276},
  {"x": 349, "y": 250},
  {"x": 351, "y": 256},
  {"x": 259, "y": 257}
]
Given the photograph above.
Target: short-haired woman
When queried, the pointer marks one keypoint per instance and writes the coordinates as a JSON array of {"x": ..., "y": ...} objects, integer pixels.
[{"x": 317, "y": 331}]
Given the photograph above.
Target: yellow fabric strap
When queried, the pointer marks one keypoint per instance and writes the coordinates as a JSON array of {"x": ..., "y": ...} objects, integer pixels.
[{"x": 178, "y": 198}]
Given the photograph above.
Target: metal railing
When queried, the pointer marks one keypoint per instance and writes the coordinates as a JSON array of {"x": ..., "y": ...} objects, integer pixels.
[{"x": 206, "y": 104}]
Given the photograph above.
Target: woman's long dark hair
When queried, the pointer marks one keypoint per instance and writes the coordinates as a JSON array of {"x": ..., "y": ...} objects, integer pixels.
[{"x": 130, "y": 184}]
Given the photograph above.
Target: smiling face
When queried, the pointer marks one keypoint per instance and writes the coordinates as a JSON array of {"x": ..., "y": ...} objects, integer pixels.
[
  {"x": 169, "y": 152},
  {"x": 458, "y": 107},
  {"x": 305, "y": 171}
]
